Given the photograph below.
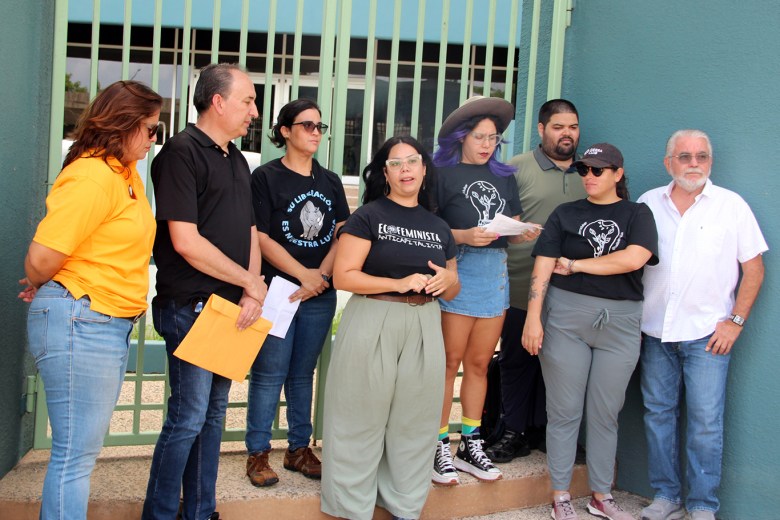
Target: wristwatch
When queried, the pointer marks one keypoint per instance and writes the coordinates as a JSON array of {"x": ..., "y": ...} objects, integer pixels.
[
  {"x": 325, "y": 277},
  {"x": 736, "y": 318}
]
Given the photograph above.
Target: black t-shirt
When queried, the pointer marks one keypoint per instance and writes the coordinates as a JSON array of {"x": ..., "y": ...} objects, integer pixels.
[
  {"x": 196, "y": 181},
  {"x": 581, "y": 229},
  {"x": 300, "y": 213},
  {"x": 469, "y": 195},
  {"x": 402, "y": 239}
]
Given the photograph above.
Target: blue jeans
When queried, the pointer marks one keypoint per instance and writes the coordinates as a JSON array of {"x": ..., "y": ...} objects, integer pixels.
[
  {"x": 187, "y": 451},
  {"x": 666, "y": 369},
  {"x": 81, "y": 356},
  {"x": 290, "y": 362}
]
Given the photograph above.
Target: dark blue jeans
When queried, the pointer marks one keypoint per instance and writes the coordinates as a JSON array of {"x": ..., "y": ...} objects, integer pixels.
[
  {"x": 187, "y": 452},
  {"x": 288, "y": 361}
]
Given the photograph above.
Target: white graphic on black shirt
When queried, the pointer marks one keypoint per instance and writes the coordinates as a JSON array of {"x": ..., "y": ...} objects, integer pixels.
[
  {"x": 603, "y": 235},
  {"x": 311, "y": 219},
  {"x": 486, "y": 200},
  {"x": 310, "y": 209},
  {"x": 412, "y": 237}
]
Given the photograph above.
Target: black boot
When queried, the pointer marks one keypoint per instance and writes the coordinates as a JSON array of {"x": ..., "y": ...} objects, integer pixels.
[{"x": 511, "y": 445}]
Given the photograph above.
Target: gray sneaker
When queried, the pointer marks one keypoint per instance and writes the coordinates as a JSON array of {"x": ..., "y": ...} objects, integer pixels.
[
  {"x": 698, "y": 514},
  {"x": 562, "y": 509},
  {"x": 662, "y": 509},
  {"x": 608, "y": 509}
]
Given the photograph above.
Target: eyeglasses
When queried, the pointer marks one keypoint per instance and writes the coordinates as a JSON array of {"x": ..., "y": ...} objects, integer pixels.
[
  {"x": 396, "y": 164},
  {"x": 583, "y": 170},
  {"x": 153, "y": 128},
  {"x": 493, "y": 139},
  {"x": 309, "y": 126},
  {"x": 686, "y": 158}
]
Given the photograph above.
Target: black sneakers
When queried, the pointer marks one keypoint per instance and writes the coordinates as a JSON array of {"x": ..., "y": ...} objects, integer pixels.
[
  {"x": 444, "y": 473},
  {"x": 471, "y": 459},
  {"x": 508, "y": 447}
]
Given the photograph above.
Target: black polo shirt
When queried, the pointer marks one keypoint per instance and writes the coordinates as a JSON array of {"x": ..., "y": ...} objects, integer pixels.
[{"x": 197, "y": 181}]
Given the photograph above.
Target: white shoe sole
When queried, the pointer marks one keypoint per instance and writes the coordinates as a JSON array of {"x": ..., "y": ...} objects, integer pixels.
[
  {"x": 601, "y": 514},
  {"x": 443, "y": 480},
  {"x": 487, "y": 476},
  {"x": 675, "y": 515}
]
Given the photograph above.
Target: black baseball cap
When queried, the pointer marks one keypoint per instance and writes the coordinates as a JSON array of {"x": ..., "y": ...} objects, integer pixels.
[{"x": 601, "y": 155}]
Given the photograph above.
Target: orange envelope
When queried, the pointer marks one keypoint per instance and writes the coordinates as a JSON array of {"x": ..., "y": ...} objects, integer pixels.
[{"x": 215, "y": 344}]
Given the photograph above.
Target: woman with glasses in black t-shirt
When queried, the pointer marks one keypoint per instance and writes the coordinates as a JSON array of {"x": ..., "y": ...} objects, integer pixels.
[{"x": 386, "y": 374}]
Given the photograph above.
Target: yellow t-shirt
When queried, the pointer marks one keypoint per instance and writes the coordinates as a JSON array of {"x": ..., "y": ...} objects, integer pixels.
[{"x": 106, "y": 233}]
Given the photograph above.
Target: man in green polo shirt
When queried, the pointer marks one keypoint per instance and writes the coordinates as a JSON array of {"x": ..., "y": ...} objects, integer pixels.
[{"x": 545, "y": 180}]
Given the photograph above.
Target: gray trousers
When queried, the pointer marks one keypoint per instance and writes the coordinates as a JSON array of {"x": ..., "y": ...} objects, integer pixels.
[
  {"x": 590, "y": 349},
  {"x": 382, "y": 406}
]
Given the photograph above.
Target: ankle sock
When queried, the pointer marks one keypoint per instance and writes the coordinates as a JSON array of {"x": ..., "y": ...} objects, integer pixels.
[
  {"x": 470, "y": 426},
  {"x": 444, "y": 432}
]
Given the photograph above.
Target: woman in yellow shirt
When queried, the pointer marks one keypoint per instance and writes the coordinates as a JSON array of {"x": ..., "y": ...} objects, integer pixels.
[{"x": 87, "y": 279}]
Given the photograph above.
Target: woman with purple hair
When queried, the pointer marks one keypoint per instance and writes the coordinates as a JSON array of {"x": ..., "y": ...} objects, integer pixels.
[{"x": 474, "y": 186}]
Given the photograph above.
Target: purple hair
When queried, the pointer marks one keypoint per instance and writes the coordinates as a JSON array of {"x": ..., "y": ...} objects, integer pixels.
[{"x": 450, "y": 149}]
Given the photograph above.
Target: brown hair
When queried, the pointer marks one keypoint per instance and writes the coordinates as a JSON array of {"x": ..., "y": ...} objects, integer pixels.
[{"x": 111, "y": 119}]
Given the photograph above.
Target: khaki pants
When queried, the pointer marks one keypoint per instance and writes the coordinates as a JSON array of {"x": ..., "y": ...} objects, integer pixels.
[{"x": 382, "y": 405}]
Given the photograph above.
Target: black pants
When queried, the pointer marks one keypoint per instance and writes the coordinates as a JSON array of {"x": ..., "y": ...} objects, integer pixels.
[{"x": 522, "y": 385}]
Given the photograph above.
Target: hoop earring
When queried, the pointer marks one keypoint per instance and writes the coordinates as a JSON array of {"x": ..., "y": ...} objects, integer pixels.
[{"x": 387, "y": 189}]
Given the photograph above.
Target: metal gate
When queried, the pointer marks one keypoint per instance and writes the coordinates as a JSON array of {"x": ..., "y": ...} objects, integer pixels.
[{"x": 375, "y": 70}]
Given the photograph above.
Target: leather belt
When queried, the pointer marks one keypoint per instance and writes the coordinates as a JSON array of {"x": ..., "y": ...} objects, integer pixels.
[{"x": 411, "y": 299}]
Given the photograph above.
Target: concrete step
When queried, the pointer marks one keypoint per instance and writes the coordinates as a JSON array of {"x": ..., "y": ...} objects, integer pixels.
[{"x": 120, "y": 477}]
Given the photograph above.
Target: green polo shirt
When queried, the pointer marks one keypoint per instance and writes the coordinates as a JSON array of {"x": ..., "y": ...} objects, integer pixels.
[{"x": 543, "y": 186}]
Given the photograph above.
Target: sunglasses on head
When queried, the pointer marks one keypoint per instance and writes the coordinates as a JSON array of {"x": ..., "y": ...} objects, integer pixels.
[
  {"x": 309, "y": 126},
  {"x": 583, "y": 170}
]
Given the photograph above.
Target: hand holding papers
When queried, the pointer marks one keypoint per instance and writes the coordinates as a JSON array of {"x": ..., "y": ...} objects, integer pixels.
[
  {"x": 277, "y": 306},
  {"x": 506, "y": 226},
  {"x": 215, "y": 344}
]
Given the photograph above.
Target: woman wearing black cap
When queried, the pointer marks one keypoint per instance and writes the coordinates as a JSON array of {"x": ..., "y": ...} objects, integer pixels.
[
  {"x": 474, "y": 186},
  {"x": 586, "y": 328}
]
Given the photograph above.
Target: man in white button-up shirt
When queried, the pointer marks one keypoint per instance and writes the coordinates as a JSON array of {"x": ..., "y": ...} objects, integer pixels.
[{"x": 691, "y": 320}]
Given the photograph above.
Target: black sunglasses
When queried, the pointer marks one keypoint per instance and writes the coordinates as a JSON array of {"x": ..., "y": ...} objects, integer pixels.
[
  {"x": 309, "y": 126},
  {"x": 152, "y": 129},
  {"x": 583, "y": 170}
]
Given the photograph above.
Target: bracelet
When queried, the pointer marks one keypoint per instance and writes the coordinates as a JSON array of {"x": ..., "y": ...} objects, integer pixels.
[{"x": 571, "y": 264}]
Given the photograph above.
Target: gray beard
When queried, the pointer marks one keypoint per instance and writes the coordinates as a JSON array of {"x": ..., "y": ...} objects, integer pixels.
[{"x": 690, "y": 186}]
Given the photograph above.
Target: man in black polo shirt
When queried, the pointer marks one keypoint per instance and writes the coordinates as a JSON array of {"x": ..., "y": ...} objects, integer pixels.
[{"x": 206, "y": 243}]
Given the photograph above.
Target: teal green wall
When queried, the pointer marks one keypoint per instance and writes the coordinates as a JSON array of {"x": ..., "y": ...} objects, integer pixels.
[
  {"x": 26, "y": 37},
  {"x": 637, "y": 71}
]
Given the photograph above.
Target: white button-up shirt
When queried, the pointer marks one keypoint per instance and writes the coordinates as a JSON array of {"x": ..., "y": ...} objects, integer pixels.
[{"x": 692, "y": 287}]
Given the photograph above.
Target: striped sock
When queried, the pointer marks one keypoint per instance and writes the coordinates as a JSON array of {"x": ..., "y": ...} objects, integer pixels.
[
  {"x": 470, "y": 426},
  {"x": 444, "y": 432}
]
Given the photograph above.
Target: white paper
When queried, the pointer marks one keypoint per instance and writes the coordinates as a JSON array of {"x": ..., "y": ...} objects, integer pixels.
[
  {"x": 506, "y": 226},
  {"x": 277, "y": 307}
]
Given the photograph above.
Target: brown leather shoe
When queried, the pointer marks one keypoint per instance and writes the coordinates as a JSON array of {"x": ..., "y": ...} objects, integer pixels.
[
  {"x": 303, "y": 460},
  {"x": 259, "y": 472}
]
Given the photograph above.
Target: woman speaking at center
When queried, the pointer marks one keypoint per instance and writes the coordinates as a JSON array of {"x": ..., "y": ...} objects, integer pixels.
[{"x": 386, "y": 375}]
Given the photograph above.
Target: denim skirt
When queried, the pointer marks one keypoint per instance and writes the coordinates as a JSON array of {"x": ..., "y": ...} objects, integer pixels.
[{"x": 484, "y": 285}]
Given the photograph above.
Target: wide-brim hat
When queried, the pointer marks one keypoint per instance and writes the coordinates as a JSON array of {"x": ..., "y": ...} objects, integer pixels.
[
  {"x": 476, "y": 106},
  {"x": 601, "y": 155}
]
